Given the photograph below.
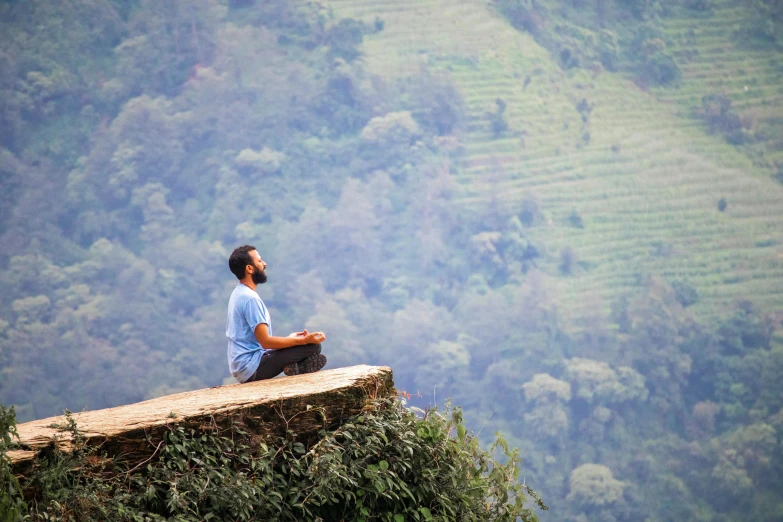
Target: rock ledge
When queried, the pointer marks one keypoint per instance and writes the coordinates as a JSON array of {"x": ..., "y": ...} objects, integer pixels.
[{"x": 303, "y": 404}]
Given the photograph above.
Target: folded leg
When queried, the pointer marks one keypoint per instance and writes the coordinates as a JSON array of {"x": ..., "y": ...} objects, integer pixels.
[{"x": 273, "y": 361}]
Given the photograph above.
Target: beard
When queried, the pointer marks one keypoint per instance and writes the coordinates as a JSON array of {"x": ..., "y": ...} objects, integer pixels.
[{"x": 259, "y": 277}]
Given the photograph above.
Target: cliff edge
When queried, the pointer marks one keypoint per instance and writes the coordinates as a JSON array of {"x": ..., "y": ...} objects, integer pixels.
[{"x": 303, "y": 404}]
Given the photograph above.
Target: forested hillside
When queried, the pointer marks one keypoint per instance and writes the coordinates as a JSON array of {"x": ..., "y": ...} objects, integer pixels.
[{"x": 564, "y": 215}]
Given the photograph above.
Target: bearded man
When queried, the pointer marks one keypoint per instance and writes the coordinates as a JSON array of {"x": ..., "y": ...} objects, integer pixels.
[{"x": 253, "y": 352}]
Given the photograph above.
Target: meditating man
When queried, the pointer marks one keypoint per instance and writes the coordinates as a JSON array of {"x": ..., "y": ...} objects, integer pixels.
[{"x": 253, "y": 352}]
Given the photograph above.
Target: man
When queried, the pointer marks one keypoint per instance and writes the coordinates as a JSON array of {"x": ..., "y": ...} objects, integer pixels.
[{"x": 253, "y": 352}]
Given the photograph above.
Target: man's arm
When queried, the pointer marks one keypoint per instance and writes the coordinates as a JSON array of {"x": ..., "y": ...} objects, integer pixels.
[{"x": 271, "y": 342}]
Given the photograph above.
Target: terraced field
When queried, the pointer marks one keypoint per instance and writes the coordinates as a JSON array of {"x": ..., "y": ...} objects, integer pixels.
[
  {"x": 644, "y": 175},
  {"x": 717, "y": 54}
]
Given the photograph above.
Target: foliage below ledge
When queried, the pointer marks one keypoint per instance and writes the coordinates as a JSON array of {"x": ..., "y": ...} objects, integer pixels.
[{"x": 388, "y": 463}]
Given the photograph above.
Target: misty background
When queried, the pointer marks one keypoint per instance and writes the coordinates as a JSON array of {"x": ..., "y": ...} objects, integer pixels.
[{"x": 563, "y": 215}]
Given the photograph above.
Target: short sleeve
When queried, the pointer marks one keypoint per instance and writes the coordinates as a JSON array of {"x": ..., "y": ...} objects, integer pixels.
[{"x": 255, "y": 313}]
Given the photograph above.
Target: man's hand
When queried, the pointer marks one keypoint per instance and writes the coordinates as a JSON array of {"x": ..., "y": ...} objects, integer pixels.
[
  {"x": 269, "y": 342},
  {"x": 314, "y": 338},
  {"x": 309, "y": 338}
]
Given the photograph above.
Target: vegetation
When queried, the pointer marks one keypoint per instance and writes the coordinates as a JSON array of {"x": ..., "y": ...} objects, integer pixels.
[
  {"x": 726, "y": 56},
  {"x": 605, "y": 32},
  {"x": 766, "y": 20},
  {"x": 497, "y": 121},
  {"x": 717, "y": 113},
  {"x": 559, "y": 263},
  {"x": 12, "y": 505},
  {"x": 388, "y": 464}
]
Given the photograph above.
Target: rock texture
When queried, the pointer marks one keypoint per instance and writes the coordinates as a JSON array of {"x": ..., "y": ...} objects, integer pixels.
[{"x": 303, "y": 404}]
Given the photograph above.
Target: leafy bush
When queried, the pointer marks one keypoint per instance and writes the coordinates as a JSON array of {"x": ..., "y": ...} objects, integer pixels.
[
  {"x": 388, "y": 464},
  {"x": 584, "y": 108},
  {"x": 344, "y": 39},
  {"x": 579, "y": 34},
  {"x": 608, "y": 49},
  {"x": 720, "y": 118},
  {"x": 766, "y": 19},
  {"x": 704, "y": 6},
  {"x": 569, "y": 58},
  {"x": 497, "y": 119},
  {"x": 568, "y": 259},
  {"x": 685, "y": 293},
  {"x": 660, "y": 68},
  {"x": 437, "y": 104},
  {"x": 575, "y": 219},
  {"x": 12, "y": 506},
  {"x": 521, "y": 14},
  {"x": 655, "y": 63},
  {"x": 779, "y": 174}
]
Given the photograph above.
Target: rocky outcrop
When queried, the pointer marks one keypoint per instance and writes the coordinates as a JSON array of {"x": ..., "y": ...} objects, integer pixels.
[{"x": 303, "y": 404}]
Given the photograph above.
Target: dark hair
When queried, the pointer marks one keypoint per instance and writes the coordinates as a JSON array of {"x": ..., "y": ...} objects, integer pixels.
[{"x": 239, "y": 259}]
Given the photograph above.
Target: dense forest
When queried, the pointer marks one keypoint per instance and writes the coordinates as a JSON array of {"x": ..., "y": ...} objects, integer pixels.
[{"x": 143, "y": 140}]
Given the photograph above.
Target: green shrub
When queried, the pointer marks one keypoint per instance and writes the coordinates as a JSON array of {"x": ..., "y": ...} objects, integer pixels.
[
  {"x": 345, "y": 38},
  {"x": 661, "y": 69},
  {"x": 766, "y": 20},
  {"x": 584, "y": 108},
  {"x": 720, "y": 118},
  {"x": 389, "y": 464},
  {"x": 575, "y": 219},
  {"x": 609, "y": 49},
  {"x": 685, "y": 293},
  {"x": 497, "y": 119},
  {"x": 437, "y": 104},
  {"x": 703, "y": 6},
  {"x": 12, "y": 506},
  {"x": 568, "y": 58},
  {"x": 568, "y": 259},
  {"x": 521, "y": 14}
]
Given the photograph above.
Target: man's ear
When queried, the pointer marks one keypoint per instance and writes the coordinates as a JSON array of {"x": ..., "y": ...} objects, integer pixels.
[{"x": 248, "y": 272}]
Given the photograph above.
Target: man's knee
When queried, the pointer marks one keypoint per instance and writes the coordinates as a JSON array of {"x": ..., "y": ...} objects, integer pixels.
[{"x": 312, "y": 348}]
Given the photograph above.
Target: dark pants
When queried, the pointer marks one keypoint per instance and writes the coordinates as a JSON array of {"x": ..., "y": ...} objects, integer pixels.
[{"x": 273, "y": 361}]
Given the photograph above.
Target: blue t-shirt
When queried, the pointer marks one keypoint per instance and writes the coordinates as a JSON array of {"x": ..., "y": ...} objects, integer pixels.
[{"x": 245, "y": 311}]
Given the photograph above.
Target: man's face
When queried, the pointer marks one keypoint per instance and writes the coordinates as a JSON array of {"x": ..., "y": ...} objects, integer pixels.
[{"x": 259, "y": 267}]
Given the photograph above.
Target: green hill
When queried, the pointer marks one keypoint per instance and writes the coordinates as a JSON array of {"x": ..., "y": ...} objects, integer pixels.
[
  {"x": 563, "y": 215},
  {"x": 718, "y": 54},
  {"x": 646, "y": 179}
]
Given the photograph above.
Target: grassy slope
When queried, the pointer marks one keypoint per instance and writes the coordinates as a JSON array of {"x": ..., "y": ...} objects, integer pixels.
[
  {"x": 660, "y": 185},
  {"x": 716, "y": 54}
]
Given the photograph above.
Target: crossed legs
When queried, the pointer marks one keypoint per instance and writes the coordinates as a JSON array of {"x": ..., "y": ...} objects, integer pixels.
[{"x": 273, "y": 361}]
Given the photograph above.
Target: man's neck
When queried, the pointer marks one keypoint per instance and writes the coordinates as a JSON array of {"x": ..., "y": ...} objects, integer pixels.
[{"x": 248, "y": 282}]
